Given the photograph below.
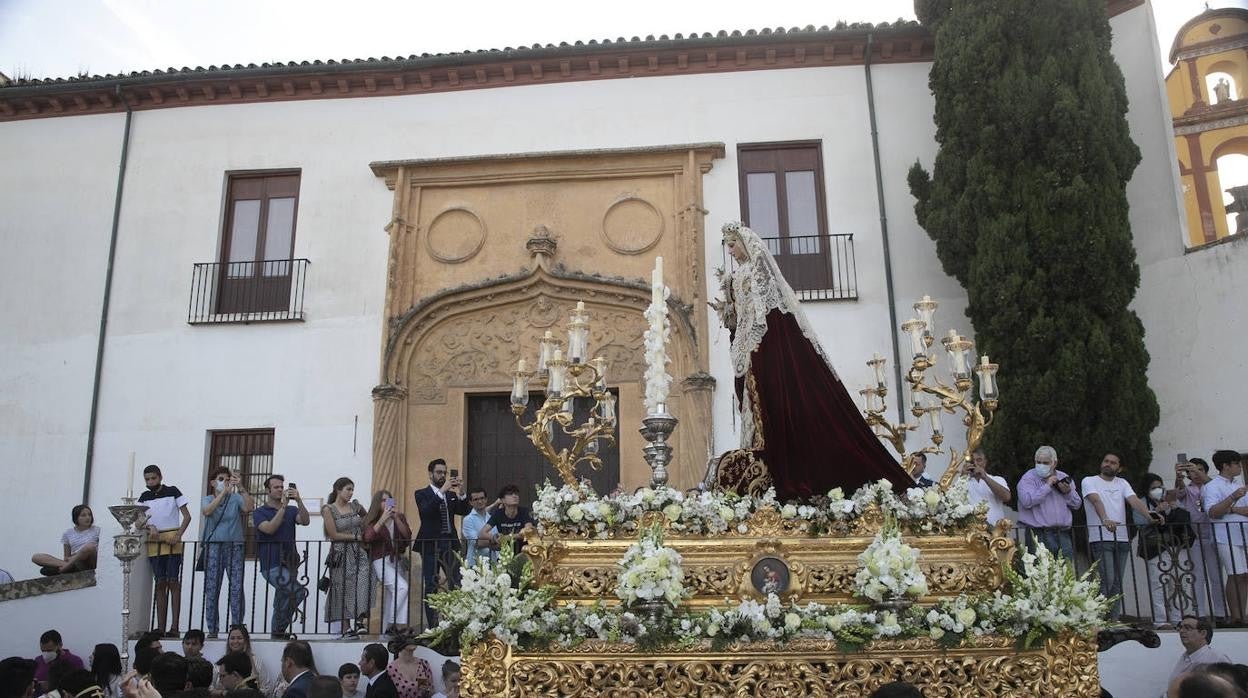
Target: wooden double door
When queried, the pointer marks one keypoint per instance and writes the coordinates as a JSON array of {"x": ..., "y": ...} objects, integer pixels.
[{"x": 500, "y": 454}]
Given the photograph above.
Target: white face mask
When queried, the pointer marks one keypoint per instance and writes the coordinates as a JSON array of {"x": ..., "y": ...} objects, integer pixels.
[
  {"x": 48, "y": 656},
  {"x": 1044, "y": 469},
  {"x": 220, "y": 485},
  {"x": 1156, "y": 493}
]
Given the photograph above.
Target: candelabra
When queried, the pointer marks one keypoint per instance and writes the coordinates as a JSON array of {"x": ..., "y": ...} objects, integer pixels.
[
  {"x": 127, "y": 547},
  {"x": 566, "y": 379},
  {"x": 930, "y": 396}
]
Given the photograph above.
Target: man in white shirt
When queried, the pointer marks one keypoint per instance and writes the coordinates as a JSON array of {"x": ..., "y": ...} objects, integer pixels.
[
  {"x": 1226, "y": 501},
  {"x": 1195, "y": 634},
  {"x": 1105, "y": 500},
  {"x": 983, "y": 487}
]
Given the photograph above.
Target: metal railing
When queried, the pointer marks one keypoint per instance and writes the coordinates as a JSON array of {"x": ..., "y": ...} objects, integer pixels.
[
  {"x": 307, "y": 596},
  {"x": 1183, "y": 576},
  {"x": 818, "y": 267},
  {"x": 257, "y": 291}
]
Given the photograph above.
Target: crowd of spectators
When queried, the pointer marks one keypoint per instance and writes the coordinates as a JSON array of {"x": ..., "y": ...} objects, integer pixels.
[{"x": 58, "y": 673}]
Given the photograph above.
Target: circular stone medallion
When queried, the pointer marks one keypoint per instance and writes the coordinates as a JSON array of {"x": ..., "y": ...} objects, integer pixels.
[
  {"x": 455, "y": 235},
  {"x": 632, "y": 225}
]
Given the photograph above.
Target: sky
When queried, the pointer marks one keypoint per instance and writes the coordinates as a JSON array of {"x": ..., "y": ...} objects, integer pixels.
[{"x": 62, "y": 38}]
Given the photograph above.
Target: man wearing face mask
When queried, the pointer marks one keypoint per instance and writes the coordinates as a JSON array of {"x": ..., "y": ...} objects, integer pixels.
[
  {"x": 1046, "y": 498},
  {"x": 50, "y": 650},
  {"x": 1105, "y": 500},
  {"x": 1190, "y": 477}
]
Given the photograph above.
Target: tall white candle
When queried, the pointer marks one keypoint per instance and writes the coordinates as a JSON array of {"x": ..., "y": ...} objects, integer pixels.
[
  {"x": 657, "y": 378},
  {"x": 130, "y": 480}
]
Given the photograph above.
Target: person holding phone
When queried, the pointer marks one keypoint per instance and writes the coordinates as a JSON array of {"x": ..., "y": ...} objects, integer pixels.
[
  {"x": 1046, "y": 498},
  {"x": 438, "y": 504},
  {"x": 1190, "y": 477},
  {"x": 386, "y": 532},
  {"x": 223, "y": 508},
  {"x": 275, "y": 546}
]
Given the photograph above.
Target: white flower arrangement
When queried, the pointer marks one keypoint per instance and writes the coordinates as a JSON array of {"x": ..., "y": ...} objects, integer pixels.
[
  {"x": 649, "y": 571},
  {"x": 579, "y": 511},
  {"x": 1047, "y": 598},
  {"x": 489, "y": 602},
  {"x": 889, "y": 569}
]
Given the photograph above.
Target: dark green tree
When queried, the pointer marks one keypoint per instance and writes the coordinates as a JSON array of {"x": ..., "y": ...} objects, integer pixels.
[{"x": 1027, "y": 205}]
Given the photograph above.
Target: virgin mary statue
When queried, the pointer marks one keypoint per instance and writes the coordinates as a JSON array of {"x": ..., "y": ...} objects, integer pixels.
[{"x": 800, "y": 429}]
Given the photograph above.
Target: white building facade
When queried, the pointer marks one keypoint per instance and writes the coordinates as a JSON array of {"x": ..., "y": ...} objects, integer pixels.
[{"x": 167, "y": 385}]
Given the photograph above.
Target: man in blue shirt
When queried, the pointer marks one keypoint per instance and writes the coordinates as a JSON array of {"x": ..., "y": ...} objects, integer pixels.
[
  {"x": 471, "y": 527},
  {"x": 223, "y": 508},
  {"x": 275, "y": 547}
]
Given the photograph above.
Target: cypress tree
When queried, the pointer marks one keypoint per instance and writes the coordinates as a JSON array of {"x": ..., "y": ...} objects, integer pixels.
[{"x": 1027, "y": 206}]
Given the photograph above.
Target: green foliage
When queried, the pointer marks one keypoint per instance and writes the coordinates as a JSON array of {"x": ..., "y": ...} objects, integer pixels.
[{"x": 1027, "y": 206}]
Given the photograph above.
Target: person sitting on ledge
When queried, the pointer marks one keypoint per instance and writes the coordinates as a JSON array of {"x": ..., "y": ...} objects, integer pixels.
[{"x": 80, "y": 541}]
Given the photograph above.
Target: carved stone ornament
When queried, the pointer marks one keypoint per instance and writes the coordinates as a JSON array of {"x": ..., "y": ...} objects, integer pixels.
[
  {"x": 632, "y": 225},
  {"x": 455, "y": 235},
  {"x": 990, "y": 666}
]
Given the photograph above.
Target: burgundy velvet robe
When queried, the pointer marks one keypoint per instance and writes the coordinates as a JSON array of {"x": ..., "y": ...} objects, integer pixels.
[{"x": 814, "y": 437}]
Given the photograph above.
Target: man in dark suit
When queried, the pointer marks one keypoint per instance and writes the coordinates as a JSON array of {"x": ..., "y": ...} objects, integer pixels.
[
  {"x": 918, "y": 470},
  {"x": 297, "y": 668},
  {"x": 373, "y": 663},
  {"x": 438, "y": 504}
]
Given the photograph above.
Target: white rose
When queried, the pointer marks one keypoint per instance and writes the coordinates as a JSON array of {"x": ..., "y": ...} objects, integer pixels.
[
  {"x": 726, "y": 513},
  {"x": 673, "y": 512},
  {"x": 575, "y": 513},
  {"x": 792, "y": 621},
  {"x": 966, "y": 616},
  {"x": 936, "y": 633},
  {"x": 788, "y": 511},
  {"x": 833, "y": 622},
  {"x": 931, "y": 497},
  {"x": 604, "y": 510}
]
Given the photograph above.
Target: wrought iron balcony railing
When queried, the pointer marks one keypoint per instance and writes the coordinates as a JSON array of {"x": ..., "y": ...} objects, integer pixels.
[{"x": 260, "y": 291}]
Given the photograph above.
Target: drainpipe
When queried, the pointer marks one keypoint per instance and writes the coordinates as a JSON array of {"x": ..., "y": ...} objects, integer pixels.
[
  {"x": 888, "y": 257},
  {"x": 108, "y": 289}
]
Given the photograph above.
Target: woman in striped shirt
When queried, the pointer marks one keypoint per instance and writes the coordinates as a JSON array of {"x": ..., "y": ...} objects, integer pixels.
[{"x": 80, "y": 544}]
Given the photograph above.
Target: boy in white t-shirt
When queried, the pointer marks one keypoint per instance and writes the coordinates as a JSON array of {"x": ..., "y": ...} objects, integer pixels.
[
  {"x": 1105, "y": 500},
  {"x": 1226, "y": 501}
]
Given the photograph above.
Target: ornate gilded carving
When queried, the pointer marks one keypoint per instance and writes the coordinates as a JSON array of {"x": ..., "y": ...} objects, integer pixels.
[
  {"x": 822, "y": 567},
  {"x": 989, "y": 666}
]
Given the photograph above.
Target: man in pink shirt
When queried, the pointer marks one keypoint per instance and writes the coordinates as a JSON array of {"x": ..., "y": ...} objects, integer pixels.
[{"x": 1046, "y": 498}]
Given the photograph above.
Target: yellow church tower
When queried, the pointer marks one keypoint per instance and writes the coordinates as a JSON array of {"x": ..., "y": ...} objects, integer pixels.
[{"x": 1209, "y": 108}]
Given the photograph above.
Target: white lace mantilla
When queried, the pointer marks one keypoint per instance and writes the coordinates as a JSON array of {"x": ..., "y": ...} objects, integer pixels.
[{"x": 757, "y": 286}]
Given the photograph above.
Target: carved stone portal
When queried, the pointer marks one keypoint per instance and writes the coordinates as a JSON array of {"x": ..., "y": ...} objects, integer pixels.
[{"x": 488, "y": 253}]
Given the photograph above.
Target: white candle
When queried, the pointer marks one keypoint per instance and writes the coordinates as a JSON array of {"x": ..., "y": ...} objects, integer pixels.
[
  {"x": 656, "y": 281},
  {"x": 130, "y": 480}
]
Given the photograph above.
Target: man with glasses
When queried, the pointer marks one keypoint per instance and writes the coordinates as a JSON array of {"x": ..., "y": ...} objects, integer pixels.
[
  {"x": 473, "y": 522},
  {"x": 1195, "y": 634},
  {"x": 438, "y": 504}
]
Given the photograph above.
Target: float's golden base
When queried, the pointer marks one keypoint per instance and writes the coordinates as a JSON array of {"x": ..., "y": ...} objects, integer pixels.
[{"x": 992, "y": 666}]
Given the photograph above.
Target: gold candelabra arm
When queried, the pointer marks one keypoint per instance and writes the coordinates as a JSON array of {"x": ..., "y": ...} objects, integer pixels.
[
  {"x": 895, "y": 434},
  {"x": 540, "y": 431}
]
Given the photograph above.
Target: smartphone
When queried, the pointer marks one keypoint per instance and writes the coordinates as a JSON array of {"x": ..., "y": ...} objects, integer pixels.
[
  {"x": 1182, "y": 458},
  {"x": 291, "y": 485},
  {"x": 389, "y": 501},
  {"x": 454, "y": 472}
]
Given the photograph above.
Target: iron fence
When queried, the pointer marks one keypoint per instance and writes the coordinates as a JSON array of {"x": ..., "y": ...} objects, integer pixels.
[{"x": 1185, "y": 574}]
